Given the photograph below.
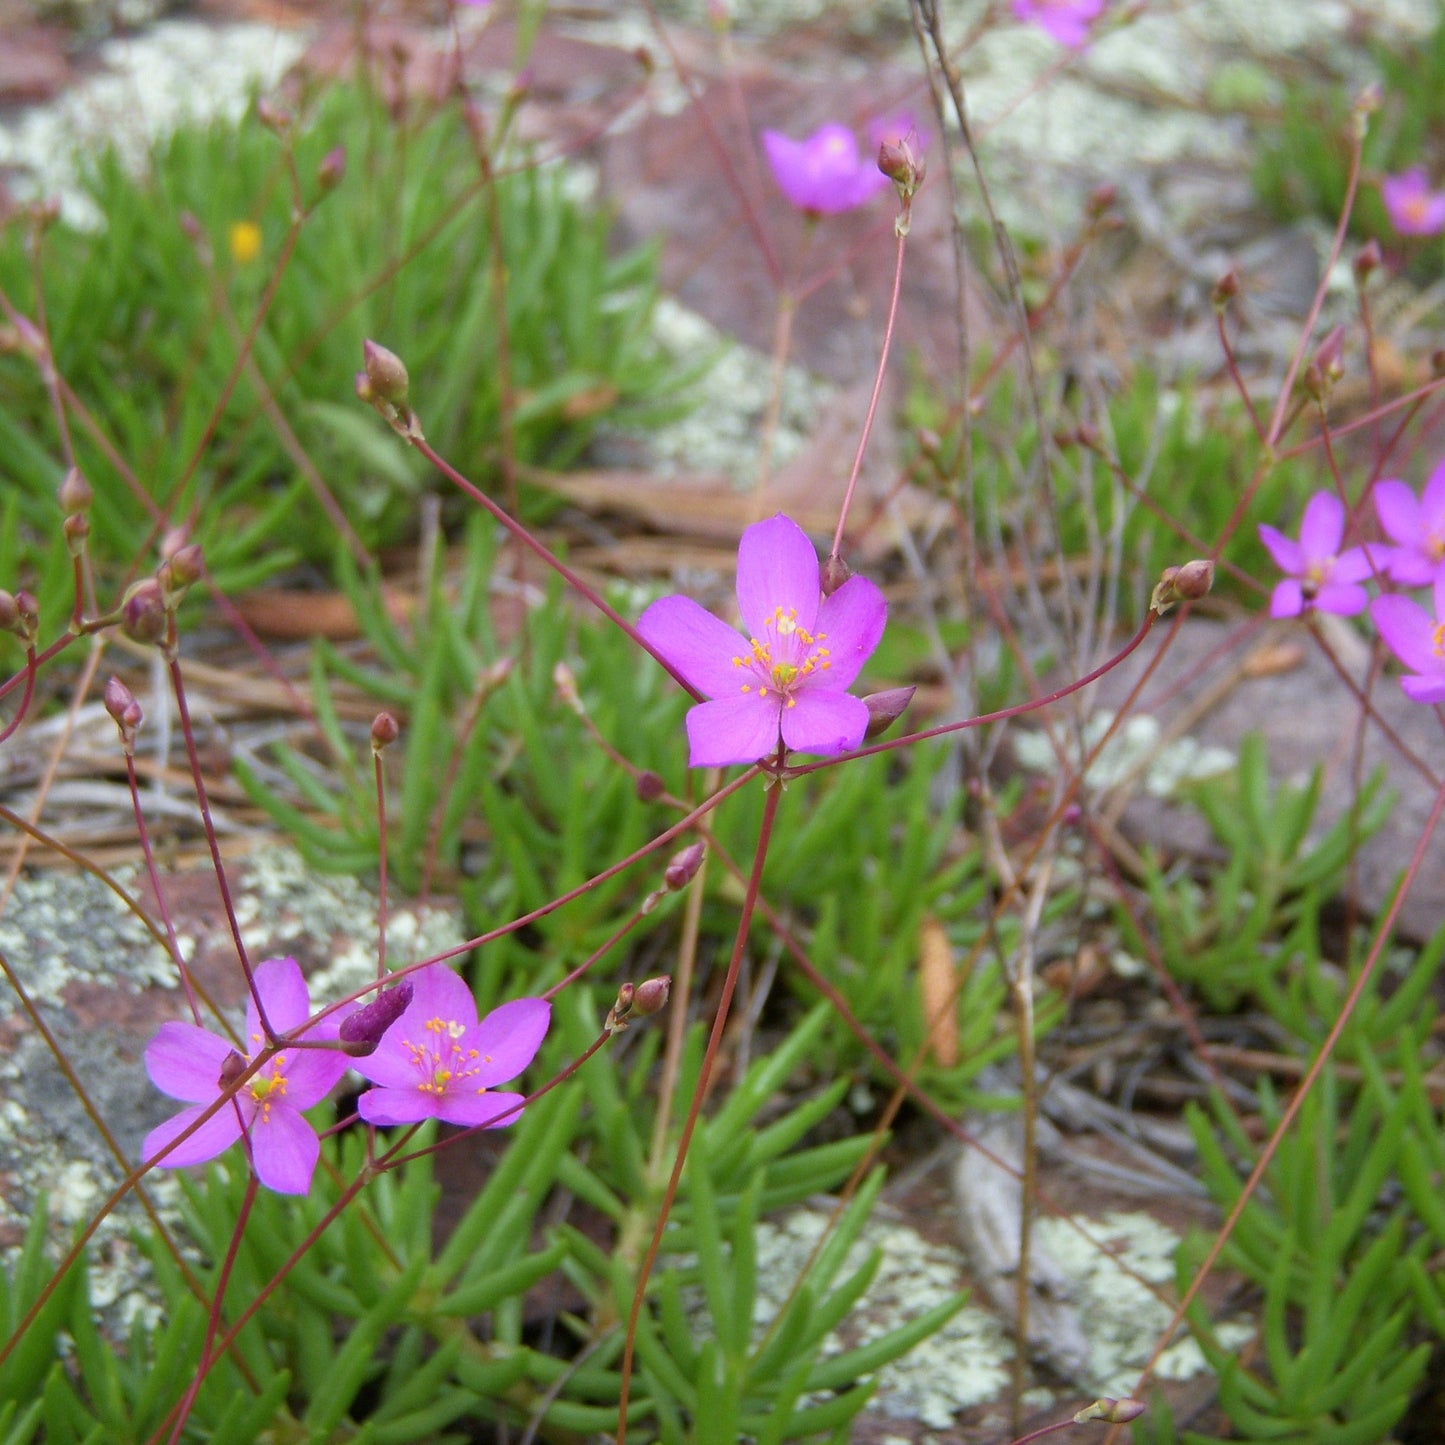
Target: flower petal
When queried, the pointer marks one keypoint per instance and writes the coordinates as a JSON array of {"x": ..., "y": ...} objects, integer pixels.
[
  {"x": 284, "y": 1149},
  {"x": 215, "y": 1136},
  {"x": 852, "y": 621},
  {"x": 311, "y": 1074},
  {"x": 1409, "y": 632},
  {"x": 1424, "y": 689},
  {"x": 1288, "y": 599},
  {"x": 739, "y": 729},
  {"x": 1285, "y": 550},
  {"x": 777, "y": 568},
  {"x": 694, "y": 642},
  {"x": 185, "y": 1061},
  {"x": 1322, "y": 528},
  {"x": 492, "y": 1111},
  {"x": 282, "y": 987},
  {"x": 1344, "y": 599},
  {"x": 1398, "y": 510},
  {"x": 824, "y": 722},
  {"x": 439, "y": 992},
  {"x": 386, "y": 1106},
  {"x": 1432, "y": 499},
  {"x": 509, "y": 1037},
  {"x": 1352, "y": 565}
]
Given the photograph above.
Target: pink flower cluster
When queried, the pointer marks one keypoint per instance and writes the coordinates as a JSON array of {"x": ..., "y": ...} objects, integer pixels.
[
  {"x": 432, "y": 1061},
  {"x": 1323, "y": 575}
]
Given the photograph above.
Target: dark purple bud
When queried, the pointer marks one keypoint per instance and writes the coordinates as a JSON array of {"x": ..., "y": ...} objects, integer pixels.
[
  {"x": 903, "y": 166},
  {"x": 385, "y": 374},
  {"x": 120, "y": 703},
  {"x": 651, "y": 996},
  {"x": 361, "y": 1031},
  {"x": 143, "y": 612},
  {"x": 75, "y": 494},
  {"x": 833, "y": 574},
  {"x": 232, "y": 1068},
  {"x": 650, "y": 786},
  {"x": 384, "y": 731},
  {"x": 683, "y": 866},
  {"x": 885, "y": 708}
]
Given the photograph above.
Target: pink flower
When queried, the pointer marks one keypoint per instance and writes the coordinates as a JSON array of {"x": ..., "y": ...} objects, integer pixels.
[
  {"x": 1067, "y": 21},
  {"x": 437, "y": 1062},
  {"x": 1414, "y": 209},
  {"x": 188, "y": 1062},
  {"x": 1319, "y": 575},
  {"x": 787, "y": 683},
  {"x": 1416, "y": 525},
  {"x": 1417, "y": 639},
  {"x": 825, "y": 173}
]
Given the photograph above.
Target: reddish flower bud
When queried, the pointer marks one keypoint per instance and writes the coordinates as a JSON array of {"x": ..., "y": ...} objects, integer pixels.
[
  {"x": 650, "y": 786},
  {"x": 1182, "y": 584},
  {"x": 897, "y": 161},
  {"x": 10, "y": 616},
  {"x": 120, "y": 703},
  {"x": 833, "y": 574},
  {"x": 1368, "y": 259},
  {"x": 651, "y": 996},
  {"x": 361, "y": 1031},
  {"x": 385, "y": 374},
  {"x": 232, "y": 1067},
  {"x": 29, "y": 609},
  {"x": 682, "y": 868},
  {"x": 274, "y": 117},
  {"x": 332, "y": 170},
  {"x": 143, "y": 612},
  {"x": 885, "y": 708},
  {"x": 75, "y": 494},
  {"x": 384, "y": 731},
  {"x": 1225, "y": 290},
  {"x": 1101, "y": 199}
]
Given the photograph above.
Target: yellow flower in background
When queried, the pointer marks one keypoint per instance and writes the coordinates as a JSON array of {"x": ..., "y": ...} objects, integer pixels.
[{"x": 245, "y": 239}]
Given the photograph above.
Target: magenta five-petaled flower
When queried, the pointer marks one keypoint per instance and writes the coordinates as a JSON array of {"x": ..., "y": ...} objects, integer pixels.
[
  {"x": 1067, "y": 21},
  {"x": 189, "y": 1062},
  {"x": 825, "y": 173},
  {"x": 1317, "y": 574},
  {"x": 1417, "y": 639},
  {"x": 786, "y": 682},
  {"x": 1416, "y": 525},
  {"x": 437, "y": 1062},
  {"x": 1414, "y": 209}
]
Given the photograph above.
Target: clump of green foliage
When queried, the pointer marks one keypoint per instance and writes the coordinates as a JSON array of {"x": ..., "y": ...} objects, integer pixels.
[{"x": 210, "y": 336}]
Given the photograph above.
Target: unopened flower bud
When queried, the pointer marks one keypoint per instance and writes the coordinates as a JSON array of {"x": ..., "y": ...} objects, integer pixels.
[
  {"x": 29, "y": 609},
  {"x": 1225, "y": 290},
  {"x": 124, "y": 710},
  {"x": 1437, "y": 362},
  {"x": 1182, "y": 584},
  {"x": 10, "y": 615},
  {"x": 885, "y": 708},
  {"x": 384, "y": 731},
  {"x": 898, "y": 161},
  {"x": 618, "y": 1014},
  {"x": 361, "y": 1030},
  {"x": 1110, "y": 1412},
  {"x": 76, "y": 530},
  {"x": 45, "y": 213},
  {"x": 181, "y": 571},
  {"x": 1101, "y": 199},
  {"x": 683, "y": 866},
  {"x": 833, "y": 574},
  {"x": 332, "y": 169},
  {"x": 274, "y": 117},
  {"x": 192, "y": 228},
  {"x": 1368, "y": 259},
  {"x": 650, "y": 786},
  {"x": 651, "y": 996},
  {"x": 75, "y": 494},
  {"x": 232, "y": 1067},
  {"x": 143, "y": 611},
  {"x": 385, "y": 374}
]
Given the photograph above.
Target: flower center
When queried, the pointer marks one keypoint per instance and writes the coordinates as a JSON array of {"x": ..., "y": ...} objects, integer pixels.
[
  {"x": 783, "y": 658},
  {"x": 1315, "y": 577},
  {"x": 441, "y": 1059},
  {"x": 267, "y": 1085}
]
